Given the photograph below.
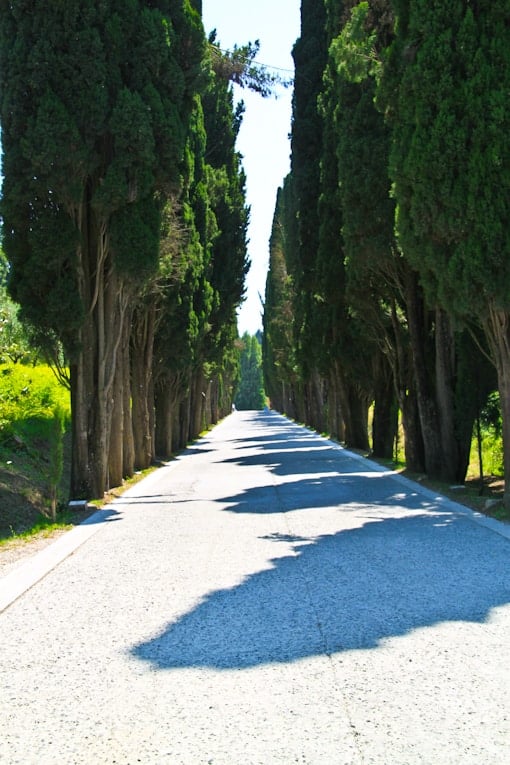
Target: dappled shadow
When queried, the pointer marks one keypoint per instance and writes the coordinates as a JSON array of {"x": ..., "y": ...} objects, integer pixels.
[
  {"x": 106, "y": 515},
  {"x": 344, "y": 491},
  {"x": 315, "y": 473},
  {"x": 348, "y": 589},
  {"x": 149, "y": 500},
  {"x": 190, "y": 450},
  {"x": 342, "y": 591}
]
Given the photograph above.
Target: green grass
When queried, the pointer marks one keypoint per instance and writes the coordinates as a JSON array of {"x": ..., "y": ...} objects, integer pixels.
[{"x": 43, "y": 527}]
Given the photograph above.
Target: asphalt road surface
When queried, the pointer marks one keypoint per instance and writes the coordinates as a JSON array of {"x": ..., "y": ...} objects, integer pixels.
[{"x": 266, "y": 598}]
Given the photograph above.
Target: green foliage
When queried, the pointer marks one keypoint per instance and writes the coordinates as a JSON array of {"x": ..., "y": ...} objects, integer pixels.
[
  {"x": 240, "y": 67},
  {"x": 278, "y": 342},
  {"x": 445, "y": 90},
  {"x": 14, "y": 341},
  {"x": 34, "y": 416},
  {"x": 226, "y": 185},
  {"x": 492, "y": 452},
  {"x": 91, "y": 138},
  {"x": 250, "y": 394},
  {"x": 490, "y": 415},
  {"x": 354, "y": 49},
  {"x": 29, "y": 398},
  {"x": 310, "y": 58},
  {"x": 55, "y": 455}
]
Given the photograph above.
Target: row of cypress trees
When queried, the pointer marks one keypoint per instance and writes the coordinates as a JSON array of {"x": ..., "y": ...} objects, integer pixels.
[
  {"x": 124, "y": 219},
  {"x": 389, "y": 278}
]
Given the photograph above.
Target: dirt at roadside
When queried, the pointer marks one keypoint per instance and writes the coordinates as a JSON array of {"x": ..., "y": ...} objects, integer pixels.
[{"x": 489, "y": 501}]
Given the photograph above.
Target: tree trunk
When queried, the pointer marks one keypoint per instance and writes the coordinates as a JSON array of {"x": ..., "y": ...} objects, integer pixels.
[
  {"x": 354, "y": 406},
  {"x": 93, "y": 371},
  {"x": 405, "y": 387},
  {"x": 164, "y": 405},
  {"x": 198, "y": 397},
  {"x": 185, "y": 419},
  {"x": 335, "y": 416},
  {"x": 284, "y": 404},
  {"x": 317, "y": 399},
  {"x": 356, "y": 430},
  {"x": 128, "y": 451},
  {"x": 445, "y": 382},
  {"x": 81, "y": 480},
  {"x": 116, "y": 452},
  {"x": 215, "y": 401},
  {"x": 385, "y": 421},
  {"x": 424, "y": 394},
  {"x": 413, "y": 441},
  {"x": 142, "y": 343}
]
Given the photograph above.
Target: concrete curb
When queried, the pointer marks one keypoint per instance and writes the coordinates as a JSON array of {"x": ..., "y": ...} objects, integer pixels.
[
  {"x": 37, "y": 566},
  {"x": 15, "y": 584}
]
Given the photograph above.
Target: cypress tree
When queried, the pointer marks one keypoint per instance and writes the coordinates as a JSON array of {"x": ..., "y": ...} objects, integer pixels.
[
  {"x": 279, "y": 365},
  {"x": 250, "y": 394},
  {"x": 310, "y": 57},
  {"x": 94, "y": 104},
  {"x": 356, "y": 196},
  {"x": 444, "y": 87},
  {"x": 196, "y": 360}
]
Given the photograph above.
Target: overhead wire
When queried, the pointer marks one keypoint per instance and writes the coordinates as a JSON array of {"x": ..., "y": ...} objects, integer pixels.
[{"x": 254, "y": 61}]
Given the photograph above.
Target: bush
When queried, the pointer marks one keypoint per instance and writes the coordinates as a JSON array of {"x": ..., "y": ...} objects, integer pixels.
[
  {"x": 34, "y": 415},
  {"x": 28, "y": 399}
]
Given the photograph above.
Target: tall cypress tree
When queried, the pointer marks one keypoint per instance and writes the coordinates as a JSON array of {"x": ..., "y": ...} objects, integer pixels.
[
  {"x": 279, "y": 365},
  {"x": 310, "y": 57},
  {"x": 94, "y": 103},
  {"x": 445, "y": 86},
  {"x": 229, "y": 257},
  {"x": 356, "y": 197},
  {"x": 196, "y": 360}
]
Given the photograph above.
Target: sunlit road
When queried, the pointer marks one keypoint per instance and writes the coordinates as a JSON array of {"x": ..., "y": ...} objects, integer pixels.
[{"x": 266, "y": 598}]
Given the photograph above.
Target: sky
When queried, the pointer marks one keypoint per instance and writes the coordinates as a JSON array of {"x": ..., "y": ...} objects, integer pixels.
[{"x": 263, "y": 139}]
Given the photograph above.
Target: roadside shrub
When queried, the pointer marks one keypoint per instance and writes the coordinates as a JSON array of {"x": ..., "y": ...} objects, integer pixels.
[
  {"x": 35, "y": 413},
  {"x": 29, "y": 397}
]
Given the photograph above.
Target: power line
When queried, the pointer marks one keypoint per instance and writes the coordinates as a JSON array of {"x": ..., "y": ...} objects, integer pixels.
[{"x": 254, "y": 61}]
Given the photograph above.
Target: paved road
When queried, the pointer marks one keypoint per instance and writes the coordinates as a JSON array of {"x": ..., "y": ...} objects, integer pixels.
[{"x": 266, "y": 598}]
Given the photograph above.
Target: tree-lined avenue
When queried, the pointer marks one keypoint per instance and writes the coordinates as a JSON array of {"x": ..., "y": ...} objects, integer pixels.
[{"x": 268, "y": 597}]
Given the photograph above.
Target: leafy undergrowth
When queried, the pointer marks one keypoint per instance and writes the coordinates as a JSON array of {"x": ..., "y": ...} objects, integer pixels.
[
  {"x": 34, "y": 451},
  {"x": 24, "y": 504},
  {"x": 35, "y": 457}
]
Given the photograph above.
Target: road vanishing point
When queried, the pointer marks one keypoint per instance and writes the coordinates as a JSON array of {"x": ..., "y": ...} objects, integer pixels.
[{"x": 267, "y": 597}]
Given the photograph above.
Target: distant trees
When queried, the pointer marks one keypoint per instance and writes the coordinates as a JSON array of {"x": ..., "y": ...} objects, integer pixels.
[
  {"x": 250, "y": 393},
  {"x": 124, "y": 220},
  {"x": 398, "y": 301}
]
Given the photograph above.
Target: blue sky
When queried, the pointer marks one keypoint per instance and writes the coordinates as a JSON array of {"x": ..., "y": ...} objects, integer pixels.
[{"x": 263, "y": 140}]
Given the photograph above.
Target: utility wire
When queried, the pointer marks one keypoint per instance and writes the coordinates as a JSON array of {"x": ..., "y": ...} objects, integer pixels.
[{"x": 254, "y": 61}]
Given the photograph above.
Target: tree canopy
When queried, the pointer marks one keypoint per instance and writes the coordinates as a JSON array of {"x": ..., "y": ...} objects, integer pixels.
[
  {"x": 125, "y": 218},
  {"x": 387, "y": 270}
]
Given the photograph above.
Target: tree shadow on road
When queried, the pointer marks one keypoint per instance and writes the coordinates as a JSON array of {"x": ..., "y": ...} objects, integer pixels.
[
  {"x": 406, "y": 561},
  {"x": 342, "y": 591}
]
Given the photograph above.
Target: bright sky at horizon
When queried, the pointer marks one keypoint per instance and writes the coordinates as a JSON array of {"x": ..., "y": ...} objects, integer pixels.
[{"x": 263, "y": 139}]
